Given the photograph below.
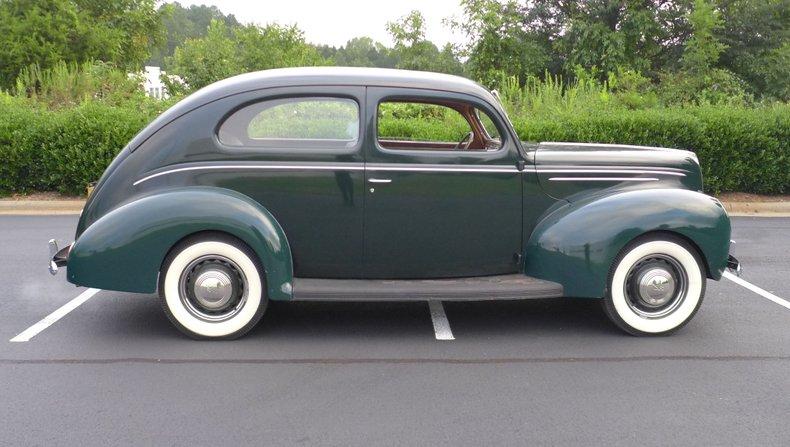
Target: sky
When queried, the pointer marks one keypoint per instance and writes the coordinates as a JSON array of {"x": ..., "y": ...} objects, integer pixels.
[{"x": 334, "y": 22}]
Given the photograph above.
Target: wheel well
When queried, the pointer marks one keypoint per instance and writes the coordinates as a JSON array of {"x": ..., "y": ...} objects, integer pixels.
[
  {"x": 682, "y": 237},
  {"x": 207, "y": 234}
]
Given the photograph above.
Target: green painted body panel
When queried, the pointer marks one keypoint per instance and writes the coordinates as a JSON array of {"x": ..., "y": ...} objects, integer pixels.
[
  {"x": 125, "y": 248},
  {"x": 576, "y": 244}
]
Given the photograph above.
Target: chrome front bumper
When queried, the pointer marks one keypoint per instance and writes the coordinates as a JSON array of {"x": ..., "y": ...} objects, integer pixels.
[{"x": 58, "y": 257}]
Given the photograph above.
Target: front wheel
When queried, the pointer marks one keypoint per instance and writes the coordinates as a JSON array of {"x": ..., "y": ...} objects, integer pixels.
[
  {"x": 656, "y": 285},
  {"x": 211, "y": 287}
]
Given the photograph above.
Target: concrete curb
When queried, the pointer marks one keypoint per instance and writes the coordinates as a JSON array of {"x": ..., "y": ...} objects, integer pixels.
[
  {"x": 40, "y": 207},
  {"x": 760, "y": 209},
  {"x": 65, "y": 207}
]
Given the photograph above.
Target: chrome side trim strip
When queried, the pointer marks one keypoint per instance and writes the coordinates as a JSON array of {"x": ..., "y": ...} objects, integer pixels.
[
  {"x": 357, "y": 167},
  {"x": 599, "y": 145},
  {"x": 441, "y": 168},
  {"x": 410, "y": 168},
  {"x": 603, "y": 179},
  {"x": 608, "y": 171},
  {"x": 338, "y": 167}
]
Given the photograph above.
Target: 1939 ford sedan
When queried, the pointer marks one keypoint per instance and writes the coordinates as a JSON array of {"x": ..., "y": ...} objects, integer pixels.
[{"x": 305, "y": 184}]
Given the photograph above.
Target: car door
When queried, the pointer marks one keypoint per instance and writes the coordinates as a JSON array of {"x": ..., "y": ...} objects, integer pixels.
[
  {"x": 434, "y": 208},
  {"x": 298, "y": 152}
]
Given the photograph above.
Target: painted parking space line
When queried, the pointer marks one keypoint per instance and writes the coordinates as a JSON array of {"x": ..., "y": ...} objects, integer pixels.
[
  {"x": 441, "y": 325},
  {"x": 762, "y": 292},
  {"x": 50, "y": 319}
]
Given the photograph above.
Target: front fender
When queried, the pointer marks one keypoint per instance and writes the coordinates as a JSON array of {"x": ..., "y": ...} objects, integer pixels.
[
  {"x": 576, "y": 244},
  {"x": 124, "y": 249}
]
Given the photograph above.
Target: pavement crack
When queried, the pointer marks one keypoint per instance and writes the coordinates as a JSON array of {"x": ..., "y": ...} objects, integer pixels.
[{"x": 388, "y": 361}]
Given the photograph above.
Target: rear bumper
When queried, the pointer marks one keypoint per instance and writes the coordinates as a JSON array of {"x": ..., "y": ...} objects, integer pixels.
[
  {"x": 58, "y": 257},
  {"x": 734, "y": 265}
]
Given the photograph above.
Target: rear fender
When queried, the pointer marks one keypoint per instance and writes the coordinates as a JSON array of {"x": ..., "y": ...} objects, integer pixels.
[
  {"x": 576, "y": 244},
  {"x": 124, "y": 249}
]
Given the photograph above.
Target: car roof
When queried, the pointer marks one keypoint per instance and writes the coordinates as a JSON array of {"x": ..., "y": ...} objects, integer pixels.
[
  {"x": 385, "y": 77},
  {"x": 300, "y": 76}
]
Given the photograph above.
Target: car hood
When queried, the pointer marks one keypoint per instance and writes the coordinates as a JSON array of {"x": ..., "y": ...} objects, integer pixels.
[{"x": 574, "y": 170}]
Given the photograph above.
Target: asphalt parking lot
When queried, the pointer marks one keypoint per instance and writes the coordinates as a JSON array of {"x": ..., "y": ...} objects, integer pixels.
[{"x": 113, "y": 370}]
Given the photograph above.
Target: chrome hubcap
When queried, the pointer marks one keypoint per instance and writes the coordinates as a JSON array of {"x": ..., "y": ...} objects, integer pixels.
[
  {"x": 655, "y": 286},
  {"x": 213, "y": 288}
]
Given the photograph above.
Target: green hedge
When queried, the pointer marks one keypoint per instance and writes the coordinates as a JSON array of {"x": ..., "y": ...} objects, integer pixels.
[
  {"x": 743, "y": 150},
  {"x": 740, "y": 149},
  {"x": 45, "y": 150}
]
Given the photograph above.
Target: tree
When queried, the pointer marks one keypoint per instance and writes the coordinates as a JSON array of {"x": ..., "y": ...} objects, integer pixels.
[
  {"x": 44, "y": 32},
  {"x": 699, "y": 79},
  {"x": 222, "y": 53},
  {"x": 364, "y": 52},
  {"x": 187, "y": 23},
  {"x": 201, "y": 61},
  {"x": 619, "y": 34},
  {"x": 414, "y": 52},
  {"x": 499, "y": 44},
  {"x": 703, "y": 48},
  {"x": 274, "y": 46},
  {"x": 757, "y": 38}
]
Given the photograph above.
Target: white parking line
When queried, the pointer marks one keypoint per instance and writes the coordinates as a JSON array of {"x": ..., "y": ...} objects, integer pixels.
[
  {"x": 50, "y": 319},
  {"x": 757, "y": 290},
  {"x": 441, "y": 326}
]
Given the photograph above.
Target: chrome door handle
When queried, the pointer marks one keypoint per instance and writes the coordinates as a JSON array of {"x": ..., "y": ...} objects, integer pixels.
[{"x": 379, "y": 180}]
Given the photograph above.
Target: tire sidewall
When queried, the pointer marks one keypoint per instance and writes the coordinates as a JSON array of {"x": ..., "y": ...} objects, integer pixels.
[
  {"x": 193, "y": 326},
  {"x": 617, "y": 305}
]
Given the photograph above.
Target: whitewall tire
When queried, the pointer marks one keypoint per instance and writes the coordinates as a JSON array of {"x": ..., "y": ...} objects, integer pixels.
[
  {"x": 656, "y": 285},
  {"x": 212, "y": 287}
]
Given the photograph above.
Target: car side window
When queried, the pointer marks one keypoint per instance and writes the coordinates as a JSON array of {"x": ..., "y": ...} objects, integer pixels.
[
  {"x": 434, "y": 126},
  {"x": 488, "y": 125},
  {"x": 300, "y": 122}
]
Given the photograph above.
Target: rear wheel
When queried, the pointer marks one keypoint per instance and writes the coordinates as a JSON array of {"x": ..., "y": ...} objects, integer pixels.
[
  {"x": 212, "y": 287},
  {"x": 656, "y": 285}
]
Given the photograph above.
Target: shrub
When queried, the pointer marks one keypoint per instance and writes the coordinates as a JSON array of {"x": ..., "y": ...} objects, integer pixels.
[
  {"x": 62, "y": 150},
  {"x": 740, "y": 149}
]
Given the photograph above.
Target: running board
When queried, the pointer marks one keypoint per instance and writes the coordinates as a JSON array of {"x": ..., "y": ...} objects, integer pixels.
[{"x": 479, "y": 288}]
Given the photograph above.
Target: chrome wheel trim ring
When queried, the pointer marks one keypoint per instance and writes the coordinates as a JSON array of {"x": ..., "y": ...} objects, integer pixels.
[
  {"x": 655, "y": 286},
  {"x": 210, "y": 295}
]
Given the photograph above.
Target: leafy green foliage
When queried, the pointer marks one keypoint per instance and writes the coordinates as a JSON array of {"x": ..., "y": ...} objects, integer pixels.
[
  {"x": 499, "y": 46},
  {"x": 325, "y": 118},
  {"x": 703, "y": 51},
  {"x": 63, "y": 150},
  {"x": 222, "y": 53},
  {"x": 414, "y": 52},
  {"x": 360, "y": 52},
  {"x": 45, "y": 32},
  {"x": 703, "y": 75},
  {"x": 740, "y": 149},
  {"x": 183, "y": 23},
  {"x": 420, "y": 122},
  {"x": 66, "y": 85}
]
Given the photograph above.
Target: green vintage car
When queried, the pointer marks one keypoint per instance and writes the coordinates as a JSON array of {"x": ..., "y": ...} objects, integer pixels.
[{"x": 354, "y": 184}]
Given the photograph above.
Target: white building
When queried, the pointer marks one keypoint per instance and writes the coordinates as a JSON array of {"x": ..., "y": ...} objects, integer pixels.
[{"x": 152, "y": 83}]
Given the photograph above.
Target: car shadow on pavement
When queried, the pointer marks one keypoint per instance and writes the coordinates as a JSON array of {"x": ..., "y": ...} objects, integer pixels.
[
  {"x": 550, "y": 317},
  {"x": 140, "y": 316}
]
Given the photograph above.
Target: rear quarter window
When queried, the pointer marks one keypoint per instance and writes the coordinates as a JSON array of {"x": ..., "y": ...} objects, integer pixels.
[{"x": 305, "y": 122}]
